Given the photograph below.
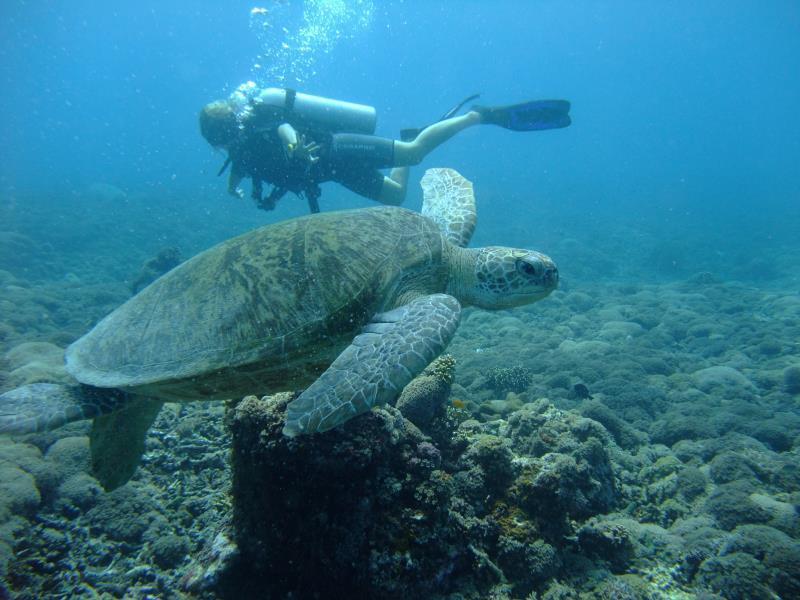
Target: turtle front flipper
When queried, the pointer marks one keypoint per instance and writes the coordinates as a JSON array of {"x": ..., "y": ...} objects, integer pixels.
[
  {"x": 45, "y": 406},
  {"x": 393, "y": 349}
]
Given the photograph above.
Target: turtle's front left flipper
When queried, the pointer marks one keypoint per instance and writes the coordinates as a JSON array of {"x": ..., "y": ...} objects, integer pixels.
[
  {"x": 393, "y": 349},
  {"x": 44, "y": 406}
]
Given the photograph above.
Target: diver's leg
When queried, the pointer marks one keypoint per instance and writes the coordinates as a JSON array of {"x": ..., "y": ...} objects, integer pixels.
[
  {"x": 412, "y": 153},
  {"x": 393, "y": 190}
]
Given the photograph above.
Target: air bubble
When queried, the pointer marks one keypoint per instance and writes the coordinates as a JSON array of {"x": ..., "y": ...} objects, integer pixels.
[{"x": 294, "y": 36}]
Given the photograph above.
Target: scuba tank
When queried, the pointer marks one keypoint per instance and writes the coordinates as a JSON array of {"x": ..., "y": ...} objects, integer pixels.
[{"x": 315, "y": 112}]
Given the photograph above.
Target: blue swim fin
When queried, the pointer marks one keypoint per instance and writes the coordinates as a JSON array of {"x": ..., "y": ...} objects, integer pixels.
[{"x": 528, "y": 116}]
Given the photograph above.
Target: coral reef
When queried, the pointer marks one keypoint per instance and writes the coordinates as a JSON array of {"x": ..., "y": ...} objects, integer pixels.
[
  {"x": 509, "y": 379},
  {"x": 424, "y": 398},
  {"x": 71, "y": 539},
  {"x": 375, "y": 509}
]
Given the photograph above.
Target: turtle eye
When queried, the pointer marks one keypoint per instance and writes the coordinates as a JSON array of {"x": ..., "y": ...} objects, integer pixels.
[{"x": 526, "y": 268}]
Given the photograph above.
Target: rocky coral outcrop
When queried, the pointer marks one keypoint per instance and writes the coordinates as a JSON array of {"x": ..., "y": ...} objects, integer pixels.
[{"x": 375, "y": 509}]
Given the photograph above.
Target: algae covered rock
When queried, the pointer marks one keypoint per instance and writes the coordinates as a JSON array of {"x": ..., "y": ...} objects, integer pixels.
[
  {"x": 712, "y": 378},
  {"x": 377, "y": 509},
  {"x": 736, "y": 575},
  {"x": 34, "y": 362},
  {"x": 78, "y": 493},
  {"x": 731, "y": 505},
  {"x": 166, "y": 259},
  {"x": 362, "y": 506},
  {"x": 68, "y": 456},
  {"x": 791, "y": 379},
  {"x": 169, "y": 551},
  {"x": 124, "y": 514},
  {"x": 18, "y": 490}
]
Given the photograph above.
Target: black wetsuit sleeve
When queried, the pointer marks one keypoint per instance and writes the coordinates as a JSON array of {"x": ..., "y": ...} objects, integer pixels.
[
  {"x": 258, "y": 189},
  {"x": 235, "y": 177}
]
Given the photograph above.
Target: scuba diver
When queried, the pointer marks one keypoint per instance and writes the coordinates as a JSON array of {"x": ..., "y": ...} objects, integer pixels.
[{"x": 295, "y": 141}]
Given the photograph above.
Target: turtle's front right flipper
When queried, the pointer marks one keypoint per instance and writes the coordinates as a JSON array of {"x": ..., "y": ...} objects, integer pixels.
[
  {"x": 393, "y": 349},
  {"x": 44, "y": 406}
]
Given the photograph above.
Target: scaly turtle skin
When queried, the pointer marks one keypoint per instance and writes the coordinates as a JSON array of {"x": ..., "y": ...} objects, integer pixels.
[{"x": 354, "y": 303}]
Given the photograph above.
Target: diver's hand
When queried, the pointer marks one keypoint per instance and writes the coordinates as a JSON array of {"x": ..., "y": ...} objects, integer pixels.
[
  {"x": 304, "y": 151},
  {"x": 236, "y": 192}
]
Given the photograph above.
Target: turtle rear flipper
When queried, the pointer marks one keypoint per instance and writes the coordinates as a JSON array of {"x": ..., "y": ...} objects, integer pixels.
[
  {"x": 393, "y": 349},
  {"x": 450, "y": 203},
  {"x": 117, "y": 441},
  {"x": 45, "y": 406}
]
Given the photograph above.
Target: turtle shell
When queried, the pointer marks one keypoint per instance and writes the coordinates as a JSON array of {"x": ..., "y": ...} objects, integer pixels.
[{"x": 265, "y": 311}]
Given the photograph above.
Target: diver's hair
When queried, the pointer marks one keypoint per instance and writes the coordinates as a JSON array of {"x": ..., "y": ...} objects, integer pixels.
[{"x": 218, "y": 123}]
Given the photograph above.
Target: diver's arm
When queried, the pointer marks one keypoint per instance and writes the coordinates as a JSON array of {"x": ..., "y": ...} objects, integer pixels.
[
  {"x": 296, "y": 146},
  {"x": 258, "y": 190},
  {"x": 288, "y": 137},
  {"x": 234, "y": 179}
]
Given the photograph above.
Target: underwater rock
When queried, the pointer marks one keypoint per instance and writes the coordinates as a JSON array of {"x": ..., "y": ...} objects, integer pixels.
[
  {"x": 791, "y": 379},
  {"x": 585, "y": 348},
  {"x": 609, "y": 541},
  {"x": 776, "y": 551},
  {"x": 619, "y": 331},
  {"x": 124, "y": 514},
  {"x": 165, "y": 260},
  {"x": 711, "y": 378},
  {"x": 566, "y": 470},
  {"x": 46, "y": 474},
  {"x": 735, "y": 576},
  {"x": 169, "y": 551},
  {"x": 70, "y": 455},
  {"x": 691, "y": 482},
  {"x": 20, "y": 255},
  {"x": 625, "y": 435},
  {"x": 375, "y": 509},
  {"x": 33, "y": 362},
  {"x": 579, "y": 301},
  {"x": 216, "y": 560},
  {"x": 731, "y": 505},
  {"x": 78, "y": 493},
  {"x": 105, "y": 192},
  {"x": 18, "y": 490},
  {"x": 526, "y": 563},
  {"x": 779, "y": 433},
  {"x": 362, "y": 507},
  {"x": 493, "y": 456},
  {"x": 28, "y": 352},
  {"x": 727, "y": 467},
  {"x": 675, "y": 428},
  {"x": 703, "y": 278}
]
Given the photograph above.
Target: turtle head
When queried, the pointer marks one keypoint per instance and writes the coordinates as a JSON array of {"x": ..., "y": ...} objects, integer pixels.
[{"x": 506, "y": 277}]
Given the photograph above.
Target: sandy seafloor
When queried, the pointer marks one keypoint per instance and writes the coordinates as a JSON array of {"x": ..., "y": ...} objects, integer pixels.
[{"x": 695, "y": 375}]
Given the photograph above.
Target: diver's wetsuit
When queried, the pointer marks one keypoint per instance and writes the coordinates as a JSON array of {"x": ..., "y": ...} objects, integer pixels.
[
  {"x": 353, "y": 160},
  {"x": 350, "y": 159}
]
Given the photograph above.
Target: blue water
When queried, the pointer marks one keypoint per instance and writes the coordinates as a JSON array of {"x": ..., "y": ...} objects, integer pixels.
[
  {"x": 670, "y": 205},
  {"x": 684, "y": 115}
]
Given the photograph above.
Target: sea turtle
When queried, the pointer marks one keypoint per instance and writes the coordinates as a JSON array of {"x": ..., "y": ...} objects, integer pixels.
[{"x": 355, "y": 303}]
